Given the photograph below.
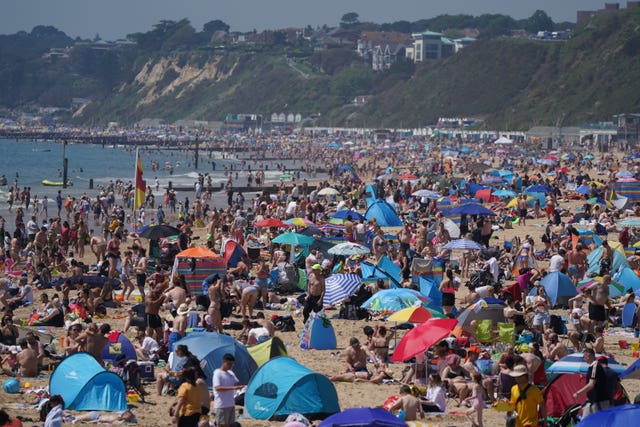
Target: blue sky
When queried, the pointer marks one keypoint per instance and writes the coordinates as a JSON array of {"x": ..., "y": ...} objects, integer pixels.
[{"x": 114, "y": 19}]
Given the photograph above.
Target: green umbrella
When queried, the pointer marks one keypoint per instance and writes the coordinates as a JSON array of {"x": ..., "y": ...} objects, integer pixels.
[
  {"x": 285, "y": 176},
  {"x": 294, "y": 239}
]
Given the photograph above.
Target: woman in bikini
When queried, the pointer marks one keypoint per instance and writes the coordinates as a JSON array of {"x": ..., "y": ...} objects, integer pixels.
[
  {"x": 113, "y": 255},
  {"x": 448, "y": 289},
  {"x": 215, "y": 305}
]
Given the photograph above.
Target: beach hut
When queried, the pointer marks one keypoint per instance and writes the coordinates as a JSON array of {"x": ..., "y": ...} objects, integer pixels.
[
  {"x": 283, "y": 386},
  {"x": 86, "y": 386},
  {"x": 197, "y": 264}
]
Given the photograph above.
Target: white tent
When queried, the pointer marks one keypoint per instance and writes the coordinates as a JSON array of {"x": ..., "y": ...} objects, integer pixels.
[{"x": 503, "y": 140}]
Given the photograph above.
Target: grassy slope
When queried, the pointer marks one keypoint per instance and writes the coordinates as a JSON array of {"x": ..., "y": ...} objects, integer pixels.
[{"x": 511, "y": 83}]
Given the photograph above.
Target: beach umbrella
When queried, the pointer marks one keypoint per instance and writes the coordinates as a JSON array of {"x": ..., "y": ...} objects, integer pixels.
[
  {"x": 615, "y": 288},
  {"x": 563, "y": 170},
  {"x": 270, "y": 222},
  {"x": 469, "y": 209},
  {"x": 363, "y": 417},
  {"x": 478, "y": 167},
  {"x": 294, "y": 239},
  {"x": 285, "y": 176},
  {"x": 415, "y": 315},
  {"x": 557, "y": 285},
  {"x": 452, "y": 228},
  {"x": 388, "y": 175},
  {"x": 597, "y": 201},
  {"x": 504, "y": 193},
  {"x": 485, "y": 309},
  {"x": 574, "y": 364},
  {"x": 630, "y": 222},
  {"x": 422, "y": 337},
  {"x": 408, "y": 176},
  {"x": 348, "y": 249},
  {"x": 588, "y": 156},
  {"x": 394, "y": 299},
  {"x": 299, "y": 222},
  {"x": 339, "y": 287},
  {"x": 547, "y": 162},
  {"x": 427, "y": 193},
  {"x": 584, "y": 190},
  {"x": 624, "y": 174},
  {"x": 617, "y": 416},
  {"x": 344, "y": 213},
  {"x": 491, "y": 180},
  {"x": 502, "y": 173},
  {"x": 537, "y": 188},
  {"x": 328, "y": 191},
  {"x": 463, "y": 244},
  {"x": 159, "y": 231}
]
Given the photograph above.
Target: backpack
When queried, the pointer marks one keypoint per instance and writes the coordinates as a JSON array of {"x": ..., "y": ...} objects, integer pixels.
[{"x": 285, "y": 323}]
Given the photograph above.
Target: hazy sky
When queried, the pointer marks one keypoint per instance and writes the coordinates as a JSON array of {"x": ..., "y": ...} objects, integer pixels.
[{"x": 114, "y": 19}]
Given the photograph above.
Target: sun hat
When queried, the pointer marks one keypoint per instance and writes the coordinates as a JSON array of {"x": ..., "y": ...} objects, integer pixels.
[
  {"x": 183, "y": 309},
  {"x": 316, "y": 267},
  {"x": 518, "y": 371}
]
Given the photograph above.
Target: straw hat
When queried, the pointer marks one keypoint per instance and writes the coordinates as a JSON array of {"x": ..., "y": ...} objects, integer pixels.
[{"x": 183, "y": 309}]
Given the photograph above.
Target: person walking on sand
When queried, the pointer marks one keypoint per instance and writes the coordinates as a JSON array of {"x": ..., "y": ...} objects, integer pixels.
[{"x": 526, "y": 400}]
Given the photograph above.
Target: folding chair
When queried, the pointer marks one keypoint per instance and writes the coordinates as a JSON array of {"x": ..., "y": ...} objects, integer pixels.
[
  {"x": 506, "y": 333},
  {"x": 484, "y": 331}
]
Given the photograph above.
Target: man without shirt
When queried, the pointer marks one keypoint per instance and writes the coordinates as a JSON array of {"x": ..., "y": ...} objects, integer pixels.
[{"x": 315, "y": 292}]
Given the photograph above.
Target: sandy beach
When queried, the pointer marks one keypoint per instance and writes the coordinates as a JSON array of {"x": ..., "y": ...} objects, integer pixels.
[{"x": 155, "y": 411}]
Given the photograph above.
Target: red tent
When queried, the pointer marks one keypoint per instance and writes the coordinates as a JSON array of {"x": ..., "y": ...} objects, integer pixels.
[{"x": 558, "y": 394}]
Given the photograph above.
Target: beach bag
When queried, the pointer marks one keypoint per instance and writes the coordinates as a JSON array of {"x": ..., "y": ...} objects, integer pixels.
[{"x": 285, "y": 323}]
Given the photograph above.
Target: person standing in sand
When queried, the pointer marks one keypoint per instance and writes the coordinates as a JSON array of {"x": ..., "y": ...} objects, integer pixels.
[
  {"x": 315, "y": 292},
  {"x": 152, "y": 303},
  {"x": 522, "y": 209}
]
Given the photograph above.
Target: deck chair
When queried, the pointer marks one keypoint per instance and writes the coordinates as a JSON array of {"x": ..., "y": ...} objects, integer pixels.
[
  {"x": 132, "y": 378},
  {"x": 506, "y": 333},
  {"x": 484, "y": 332}
]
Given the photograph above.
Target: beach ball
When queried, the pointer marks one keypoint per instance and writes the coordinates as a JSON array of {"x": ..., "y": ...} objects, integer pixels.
[{"x": 11, "y": 386}]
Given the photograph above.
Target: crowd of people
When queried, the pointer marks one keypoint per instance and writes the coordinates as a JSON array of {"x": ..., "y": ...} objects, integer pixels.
[{"x": 48, "y": 271}]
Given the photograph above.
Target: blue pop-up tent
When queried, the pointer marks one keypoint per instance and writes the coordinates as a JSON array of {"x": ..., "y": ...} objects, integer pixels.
[
  {"x": 595, "y": 256},
  {"x": 430, "y": 289},
  {"x": 209, "y": 347},
  {"x": 282, "y": 386},
  {"x": 558, "y": 286},
  {"x": 86, "y": 386},
  {"x": 384, "y": 214},
  {"x": 627, "y": 277}
]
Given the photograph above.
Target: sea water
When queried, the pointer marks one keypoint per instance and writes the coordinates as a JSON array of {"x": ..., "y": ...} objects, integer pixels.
[{"x": 30, "y": 162}]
